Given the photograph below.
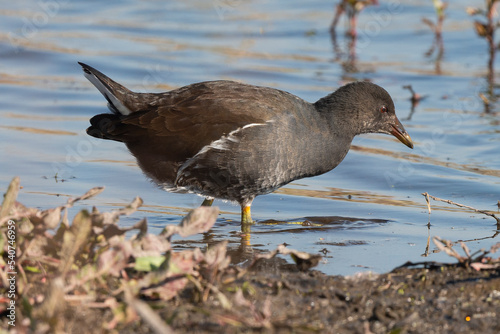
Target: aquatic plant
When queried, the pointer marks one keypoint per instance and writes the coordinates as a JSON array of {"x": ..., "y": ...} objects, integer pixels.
[
  {"x": 351, "y": 8},
  {"x": 486, "y": 29},
  {"x": 437, "y": 28}
]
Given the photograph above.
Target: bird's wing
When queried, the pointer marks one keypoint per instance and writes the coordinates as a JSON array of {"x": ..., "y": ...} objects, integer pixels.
[{"x": 189, "y": 118}]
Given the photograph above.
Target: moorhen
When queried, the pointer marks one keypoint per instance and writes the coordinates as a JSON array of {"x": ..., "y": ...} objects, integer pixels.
[{"x": 233, "y": 141}]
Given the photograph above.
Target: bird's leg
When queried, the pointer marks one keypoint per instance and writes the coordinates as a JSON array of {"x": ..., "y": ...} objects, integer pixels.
[
  {"x": 246, "y": 217},
  {"x": 207, "y": 201}
]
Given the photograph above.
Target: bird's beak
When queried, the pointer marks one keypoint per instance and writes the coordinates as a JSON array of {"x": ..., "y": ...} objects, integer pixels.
[{"x": 400, "y": 133}]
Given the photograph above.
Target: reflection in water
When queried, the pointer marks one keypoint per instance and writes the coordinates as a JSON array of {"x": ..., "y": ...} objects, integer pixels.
[
  {"x": 351, "y": 8},
  {"x": 358, "y": 196},
  {"x": 437, "y": 44},
  {"x": 38, "y": 131},
  {"x": 243, "y": 252},
  {"x": 426, "y": 251},
  {"x": 130, "y": 163},
  {"x": 347, "y": 61},
  {"x": 415, "y": 158},
  {"x": 44, "y": 193},
  {"x": 486, "y": 29},
  {"x": 437, "y": 28},
  {"x": 348, "y": 195},
  {"x": 414, "y": 99},
  {"x": 319, "y": 223},
  {"x": 45, "y": 118}
]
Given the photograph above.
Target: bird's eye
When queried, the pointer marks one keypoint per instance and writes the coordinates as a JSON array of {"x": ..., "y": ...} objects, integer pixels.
[{"x": 383, "y": 109}]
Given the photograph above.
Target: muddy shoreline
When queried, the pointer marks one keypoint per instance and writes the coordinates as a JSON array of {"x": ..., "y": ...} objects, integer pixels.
[
  {"x": 448, "y": 299},
  {"x": 86, "y": 276}
]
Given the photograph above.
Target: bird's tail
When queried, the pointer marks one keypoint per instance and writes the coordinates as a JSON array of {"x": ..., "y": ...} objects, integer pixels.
[
  {"x": 115, "y": 94},
  {"x": 105, "y": 126}
]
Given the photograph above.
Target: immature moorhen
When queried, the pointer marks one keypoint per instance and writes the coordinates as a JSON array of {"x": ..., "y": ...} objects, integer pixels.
[{"x": 224, "y": 139}]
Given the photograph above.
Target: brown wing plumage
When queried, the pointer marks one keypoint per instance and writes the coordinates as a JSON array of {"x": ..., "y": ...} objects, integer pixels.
[{"x": 190, "y": 117}]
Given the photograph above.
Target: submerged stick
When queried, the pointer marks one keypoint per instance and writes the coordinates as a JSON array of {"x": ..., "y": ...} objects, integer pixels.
[
  {"x": 428, "y": 202},
  {"x": 458, "y": 204}
]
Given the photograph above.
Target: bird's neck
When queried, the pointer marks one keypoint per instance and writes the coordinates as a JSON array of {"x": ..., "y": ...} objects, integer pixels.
[
  {"x": 333, "y": 145},
  {"x": 343, "y": 118}
]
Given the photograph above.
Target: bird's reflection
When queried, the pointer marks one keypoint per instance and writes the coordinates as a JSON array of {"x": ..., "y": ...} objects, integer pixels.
[
  {"x": 242, "y": 248},
  {"x": 437, "y": 27},
  {"x": 437, "y": 48},
  {"x": 351, "y": 8},
  {"x": 414, "y": 99},
  {"x": 485, "y": 28}
]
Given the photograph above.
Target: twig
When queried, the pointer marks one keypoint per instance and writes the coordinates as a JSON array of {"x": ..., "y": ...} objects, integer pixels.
[
  {"x": 447, "y": 247},
  {"x": 428, "y": 202},
  {"x": 148, "y": 315},
  {"x": 460, "y": 205}
]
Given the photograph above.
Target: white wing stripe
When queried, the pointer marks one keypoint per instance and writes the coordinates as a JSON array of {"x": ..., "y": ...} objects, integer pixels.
[{"x": 219, "y": 144}]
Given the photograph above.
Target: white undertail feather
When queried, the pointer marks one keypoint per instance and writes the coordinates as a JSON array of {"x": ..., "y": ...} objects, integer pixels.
[{"x": 116, "y": 104}]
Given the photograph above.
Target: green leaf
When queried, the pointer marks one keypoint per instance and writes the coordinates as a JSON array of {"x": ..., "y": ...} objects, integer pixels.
[{"x": 149, "y": 263}]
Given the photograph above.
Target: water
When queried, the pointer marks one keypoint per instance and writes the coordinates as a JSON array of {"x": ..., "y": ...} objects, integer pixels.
[{"x": 367, "y": 214}]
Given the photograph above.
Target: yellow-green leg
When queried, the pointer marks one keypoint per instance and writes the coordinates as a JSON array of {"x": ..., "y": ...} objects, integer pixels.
[
  {"x": 246, "y": 223},
  {"x": 246, "y": 217}
]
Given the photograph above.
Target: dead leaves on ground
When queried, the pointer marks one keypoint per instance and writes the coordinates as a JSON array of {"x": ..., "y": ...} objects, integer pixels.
[{"x": 90, "y": 262}]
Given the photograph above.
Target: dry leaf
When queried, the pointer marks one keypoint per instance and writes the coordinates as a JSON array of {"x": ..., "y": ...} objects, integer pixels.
[
  {"x": 107, "y": 218},
  {"x": 115, "y": 259},
  {"x": 10, "y": 197},
  {"x": 478, "y": 266},
  {"x": 216, "y": 258},
  {"x": 50, "y": 218},
  {"x": 91, "y": 193},
  {"x": 74, "y": 238},
  {"x": 481, "y": 28},
  {"x": 199, "y": 220},
  {"x": 150, "y": 244}
]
